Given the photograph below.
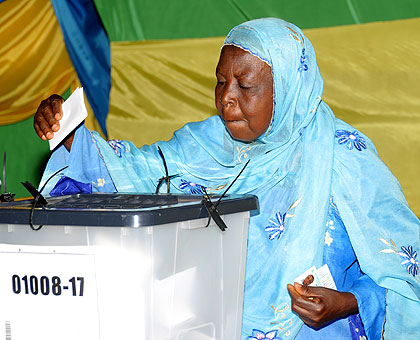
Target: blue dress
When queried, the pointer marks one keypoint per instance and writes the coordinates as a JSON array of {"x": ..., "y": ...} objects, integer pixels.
[{"x": 338, "y": 252}]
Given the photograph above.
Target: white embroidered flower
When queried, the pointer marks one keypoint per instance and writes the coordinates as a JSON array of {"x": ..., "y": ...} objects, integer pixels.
[{"x": 328, "y": 239}]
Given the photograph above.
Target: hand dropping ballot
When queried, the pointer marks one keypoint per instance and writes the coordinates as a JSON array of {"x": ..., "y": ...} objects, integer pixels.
[
  {"x": 322, "y": 277},
  {"x": 74, "y": 112}
]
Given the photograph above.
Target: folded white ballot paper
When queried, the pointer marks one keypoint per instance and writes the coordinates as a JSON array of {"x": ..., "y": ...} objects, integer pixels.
[
  {"x": 74, "y": 112},
  {"x": 322, "y": 277}
]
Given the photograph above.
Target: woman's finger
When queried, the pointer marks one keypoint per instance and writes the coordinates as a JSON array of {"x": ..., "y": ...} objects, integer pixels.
[
  {"x": 43, "y": 121},
  {"x": 303, "y": 302},
  {"x": 56, "y": 105},
  {"x": 309, "y": 292},
  {"x": 47, "y": 111},
  {"x": 303, "y": 290},
  {"x": 39, "y": 132}
]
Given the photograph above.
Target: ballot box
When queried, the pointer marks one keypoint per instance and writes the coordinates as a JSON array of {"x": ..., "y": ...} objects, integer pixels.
[{"x": 115, "y": 266}]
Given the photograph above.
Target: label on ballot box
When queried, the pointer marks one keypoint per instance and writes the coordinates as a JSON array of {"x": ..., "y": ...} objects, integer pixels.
[{"x": 47, "y": 293}]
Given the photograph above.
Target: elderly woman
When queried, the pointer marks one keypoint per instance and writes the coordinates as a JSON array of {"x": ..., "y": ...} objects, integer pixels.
[{"x": 325, "y": 196}]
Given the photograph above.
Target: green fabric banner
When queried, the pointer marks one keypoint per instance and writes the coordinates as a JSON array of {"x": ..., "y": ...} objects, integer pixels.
[{"x": 132, "y": 20}]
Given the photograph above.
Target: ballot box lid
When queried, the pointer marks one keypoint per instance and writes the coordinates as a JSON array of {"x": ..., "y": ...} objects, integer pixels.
[{"x": 119, "y": 209}]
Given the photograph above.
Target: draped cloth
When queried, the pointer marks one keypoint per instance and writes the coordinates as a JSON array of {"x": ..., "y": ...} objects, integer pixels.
[
  {"x": 88, "y": 48},
  {"x": 305, "y": 157},
  {"x": 30, "y": 70}
]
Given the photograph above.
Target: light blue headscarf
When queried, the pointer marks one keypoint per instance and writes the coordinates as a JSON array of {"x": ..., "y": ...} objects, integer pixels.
[{"x": 305, "y": 156}]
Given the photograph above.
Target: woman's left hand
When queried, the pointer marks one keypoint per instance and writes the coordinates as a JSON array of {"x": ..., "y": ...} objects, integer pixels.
[{"x": 319, "y": 306}]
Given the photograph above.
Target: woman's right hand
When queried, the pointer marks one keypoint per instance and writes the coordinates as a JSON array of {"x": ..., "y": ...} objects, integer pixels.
[{"x": 47, "y": 119}]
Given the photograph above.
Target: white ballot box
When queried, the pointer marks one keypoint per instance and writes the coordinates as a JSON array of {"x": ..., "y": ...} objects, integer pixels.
[{"x": 114, "y": 266}]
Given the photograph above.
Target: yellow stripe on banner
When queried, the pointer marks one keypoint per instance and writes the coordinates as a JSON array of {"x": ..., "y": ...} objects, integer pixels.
[
  {"x": 33, "y": 59},
  {"x": 371, "y": 81},
  {"x": 159, "y": 86}
]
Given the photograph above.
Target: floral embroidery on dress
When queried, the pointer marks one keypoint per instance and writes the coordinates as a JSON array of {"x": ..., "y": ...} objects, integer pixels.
[
  {"x": 328, "y": 239},
  {"x": 330, "y": 224},
  {"x": 280, "y": 321},
  {"x": 351, "y": 139},
  {"x": 357, "y": 329},
  {"x": 410, "y": 262},
  {"x": 300, "y": 131},
  {"x": 407, "y": 254},
  {"x": 259, "y": 335},
  {"x": 118, "y": 147},
  {"x": 191, "y": 187},
  {"x": 100, "y": 182},
  {"x": 242, "y": 152},
  {"x": 276, "y": 226},
  {"x": 303, "y": 59}
]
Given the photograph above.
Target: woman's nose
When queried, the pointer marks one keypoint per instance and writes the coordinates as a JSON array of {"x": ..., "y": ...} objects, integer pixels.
[{"x": 228, "y": 96}]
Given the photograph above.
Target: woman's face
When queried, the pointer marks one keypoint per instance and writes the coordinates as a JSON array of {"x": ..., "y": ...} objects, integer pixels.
[{"x": 244, "y": 93}]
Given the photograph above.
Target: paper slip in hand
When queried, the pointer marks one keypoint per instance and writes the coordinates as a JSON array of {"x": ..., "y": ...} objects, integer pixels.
[
  {"x": 74, "y": 112},
  {"x": 322, "y": 277},
  {"x": 326, "y": 278}
]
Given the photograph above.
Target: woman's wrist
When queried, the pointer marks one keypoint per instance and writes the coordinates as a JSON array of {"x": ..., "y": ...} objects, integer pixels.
[
  {"x": 69, "y": 141},
  {"x": 348, "y": 304}
]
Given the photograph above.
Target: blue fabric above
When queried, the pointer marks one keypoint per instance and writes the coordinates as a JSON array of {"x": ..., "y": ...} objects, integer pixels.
[
  {"x": 88, "y": 47},
  {"x": 68, "y": 186},
  {"x": 86, "y": 169}
]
